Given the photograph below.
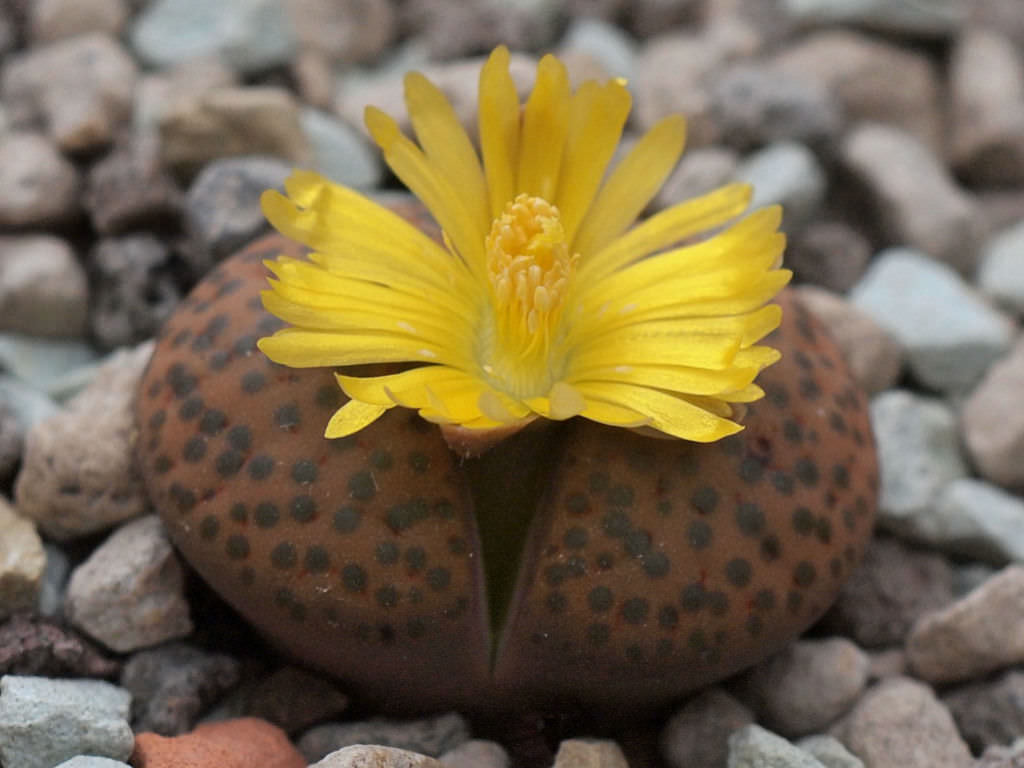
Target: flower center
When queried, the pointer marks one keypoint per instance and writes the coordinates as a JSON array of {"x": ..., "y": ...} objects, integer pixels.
[{"x": 529, "y": 265}]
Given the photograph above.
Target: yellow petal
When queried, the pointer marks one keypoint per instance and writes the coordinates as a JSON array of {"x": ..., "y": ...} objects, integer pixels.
[
  {"x": 499, "y": 129},
  {"x": 672, "y": 415},
  {"x": 379, "y": 390},
  {"x": 674, "y": 378},
  {"x": 300, "y": 348},
  {"x": 666, "y": 228},
  {"x": 563, "y": 402},
  {"x": 352, "y": 417},
  {"x": 445, "y": 143},
  {"x": 545, "y": 123},
  {"x": 632, "y": 185},
  {"x": 597, "y": 114},
  {"x": 434, "y": 189},
  {"x": 632, "y": 347}
]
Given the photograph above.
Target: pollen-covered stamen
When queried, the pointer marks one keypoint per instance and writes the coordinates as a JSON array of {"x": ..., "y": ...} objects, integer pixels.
[{"x": 529, "y": 264}]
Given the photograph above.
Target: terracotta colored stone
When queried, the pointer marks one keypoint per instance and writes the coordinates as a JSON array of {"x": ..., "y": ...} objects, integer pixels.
[
  {"x": 240, "y": 743},
  {"x": 648, "y": 567}
]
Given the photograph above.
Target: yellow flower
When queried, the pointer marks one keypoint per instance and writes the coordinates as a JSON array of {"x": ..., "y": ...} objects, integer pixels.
[{"x": 547, "y": 298}]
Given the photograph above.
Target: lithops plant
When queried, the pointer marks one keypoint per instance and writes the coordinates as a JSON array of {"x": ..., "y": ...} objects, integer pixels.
[{"x": 538, "y": 548}]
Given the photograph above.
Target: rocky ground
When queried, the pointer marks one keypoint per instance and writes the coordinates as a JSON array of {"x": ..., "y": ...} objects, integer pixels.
[{"x": 893, "y": 133}]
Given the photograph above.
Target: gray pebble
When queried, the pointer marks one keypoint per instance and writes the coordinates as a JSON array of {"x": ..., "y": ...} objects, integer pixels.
[
  {"x": 1001, "y": 271},
  {"x": 918, "y": 454},
  {"x": 340, "y": 152},
  {"x": 993, "y": 424},
  {"x": 44, "y": 722},
  {"x": 951, "y": 335},
  {"x": 607, "y": 43},
  {"x": 50, "y": 20},
  {"x": 43, "y": 363},
  {"x": 976, "y": 519},
  {"x": 251, "y": 35},
  {"x": 755, "y": 747},
  {"x": 83, "y": 761},
  {"x": 55, "y": 579},
  {"x": 27, "y": 404},
  {"x": 38, "y": 185},
  {"x": 787, "y": 173},
  {"x": 697, "y": 735},
  {"x": 829, "y": 751},
  {"x": 989, "y": 712},
  {"x": 372, "y": 756},
  {"x": 476, "y": 753},
  {"x": 830, "y": 254},
  {"x": 44, "y": 290}
]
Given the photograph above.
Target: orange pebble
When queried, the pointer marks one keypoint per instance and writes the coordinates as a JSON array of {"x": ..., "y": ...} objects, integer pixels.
[{"x": 244, "y": 742}]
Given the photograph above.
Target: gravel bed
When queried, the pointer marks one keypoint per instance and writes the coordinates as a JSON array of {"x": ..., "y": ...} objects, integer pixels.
[{"x": 893, "y": 134}]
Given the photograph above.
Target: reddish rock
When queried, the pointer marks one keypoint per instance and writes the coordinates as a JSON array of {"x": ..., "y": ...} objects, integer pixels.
[{"x": 240, "y": 743}]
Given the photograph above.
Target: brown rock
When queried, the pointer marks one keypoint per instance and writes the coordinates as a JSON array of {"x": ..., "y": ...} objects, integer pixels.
[
  {"x": 196, "y": 131},
  {"x": 807, "y": 686},
  {"x": 872, "y": 79},
  {"x": 81, "y": 87},
  {"x": 885, "y": 596},
  {"x": 36, "y": 646},
  {"x": 77, "y": 475},
  {"x": 241, "y": 743},
  {"x": 584, "y": 753},
  {"x": 697, "y": 736},
  {"x": 368, "y": 756},
  {"x": 128, "y": 189},
  {"x": 901, "y": 724},
  {"x": 51, "y": 20},
  {"x": 44, "y": 290},
  {"x": 451, "y": 30},
  {"x": 830, "y": 254},
  {"x": 38, "y": 187},
  {"x": 989, "y": 713},
  {"x": 874, "y": 355},
  {"x": 917, "y": 202},
  {"x": 993, "y": 425},
  {"x": 987, "y": 108},
  {"x": 294, "y": 699},
  {"x": 699, "y": 171},
  {"x": 161, "y": 93},
  {"x": 476, "y": 753},
  {"x": 22, "y": 561},
  {"x": 346, "y": 31},
  {"x": 977, "y": 634}
]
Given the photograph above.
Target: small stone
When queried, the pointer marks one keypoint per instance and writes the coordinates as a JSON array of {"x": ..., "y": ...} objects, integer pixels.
[
  {"x": 291, "y": 698},
  {"x": 647, "y": 18},
  {"x": 807, "y": 685},
  {"x": 251, "y": 35},
  {"x": 697, "y": 736},
  {"x": 989, "y": 713},
  {"x": 789, "y": 174},
  {"x": 430, "y": 736},
  {"x": 918, "y": 453},
  {"x": 240, "y": 743},
  {"x": 830, "y": 254},
  {"x": 128, "y": 189},
  {"x": 54, "y": 582},
  {"x": 135, "y": 290},
  {"x": 450, "y": 30},
  {"x": 987, "y": 108},
  {"x": 1001, "y": 271},
  {"x": 196, "y": 132},
  {"x": 977, "y": 634},
  {"x": 43, "y": 364},
  {"x": 873, "y": 80},
  {"x": 44, "y": 722},
  {"x": 50, "y": 20},
  {"x": 222, "y": 206},
  {"x": 829, "y": 751},
  {"x": 161, "y": 93},
  {"x": 31, "y": 645},
  {"x": 891, "y": 662},
  {"x": 700, "y": 171},
  {"x": 753, "y": 106},
  {"x": 38, "y": 187},
  {"x": 755, "y": 747},
  {"x": 83, "y": 761},
  {"x": 476, "y": 753},
  {"x": 976, "y": 519},
  {"x": 875, "y": 357},
  {"x": 173, "y": 684},
  {"x": 893, "y": 587},
  {"x": 82, "y": 87},
  {"x": 605, "y": 42},
  {"x": 129, "y": 593},
  {"x": 12, "y": 439},
  {"x": 44, "y": 290},
  {"x": 313, "y": 74},
  {"x": 939, "y": 18},
  {"x": 22, "y": 562},
  {"x": 346, "y": 32},
  {"x": 340, "y": 152},
  {"x": 78, "y": 474},
  {"x": 901, "y": 724},
  {"x": 993, "y": 425},
  {"x": 917, "y": 202},
  {"x": 585, "y": 753},
  {"x": 1003, "y": 757},
  {"x": 950, "y": 333},
  {"x": 368, "y": 756}
]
